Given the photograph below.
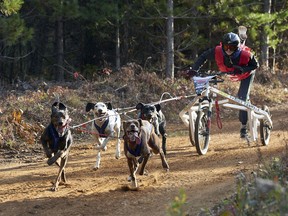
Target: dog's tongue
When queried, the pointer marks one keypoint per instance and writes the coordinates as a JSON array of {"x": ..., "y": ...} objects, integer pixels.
[
  {"x": 134, "y": 137},
  {"x": 138, "y": 140},
  {"x": 60, "y": 130}
]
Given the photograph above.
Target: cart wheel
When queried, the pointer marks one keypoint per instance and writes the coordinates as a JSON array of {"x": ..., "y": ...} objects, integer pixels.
[
  {"x": 265, "y": 129},
  {"x": 202, "y": 132},
  {"x": 191, "y": 135}
]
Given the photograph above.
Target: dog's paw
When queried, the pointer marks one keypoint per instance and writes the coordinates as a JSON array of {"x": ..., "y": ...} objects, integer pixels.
[
  {"x": 145, "y": 172},
  {"x": 51, "y": 161},
  {"x": 54, "y": 188},
  {"x": 101, "y": 147},
  {"x": 134, "y": 185},
  {"x": 117, "y": 156},
  {"x": 95, "y": 168},
  {"x": 129, "y": 179},
  {"x": 104, "y": 148},
  {"x": 98, "y": 147}
]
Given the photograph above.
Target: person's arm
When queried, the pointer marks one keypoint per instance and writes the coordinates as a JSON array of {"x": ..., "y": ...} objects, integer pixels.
[
  {"x": 207, "y": 55},
  {"x": 252, "y": 64}
]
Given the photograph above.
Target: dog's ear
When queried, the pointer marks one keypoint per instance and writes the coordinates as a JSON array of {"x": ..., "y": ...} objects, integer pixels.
[
  {"x": 90, "y": 106},
  {"x": 55, "y": 104},
  {"x": 109, "y": 106},
  {"x": 139, "y": 106},
  {"x": 54, "y": 107},
  {"x": 158, "y": 107},
  {"x": 140, "y": 122},
  {"x": 124, "y": 126},
  {"x": 62, "y": 106}
]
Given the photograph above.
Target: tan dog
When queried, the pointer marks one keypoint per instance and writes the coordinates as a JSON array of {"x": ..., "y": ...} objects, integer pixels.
[{"x": 139, "y": 140}]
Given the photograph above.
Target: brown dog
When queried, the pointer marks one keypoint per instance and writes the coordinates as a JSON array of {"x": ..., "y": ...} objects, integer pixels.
[
  {"x": 139, "y": 140},
  {"x": 57, "y": 140}
]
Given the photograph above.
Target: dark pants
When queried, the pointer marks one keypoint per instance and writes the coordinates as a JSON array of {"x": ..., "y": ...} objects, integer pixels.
[{"x": 243, "y": 94}]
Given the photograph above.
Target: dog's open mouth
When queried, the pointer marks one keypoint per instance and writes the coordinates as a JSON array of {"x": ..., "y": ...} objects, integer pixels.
[
  {"x": 61, "y": 130},
  {"x": 101, "y": 115},
  {"x": 133, "y": 136}
]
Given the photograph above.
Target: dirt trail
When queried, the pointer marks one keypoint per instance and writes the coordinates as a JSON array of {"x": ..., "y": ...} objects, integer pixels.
[{"x": 25, "y": 187}]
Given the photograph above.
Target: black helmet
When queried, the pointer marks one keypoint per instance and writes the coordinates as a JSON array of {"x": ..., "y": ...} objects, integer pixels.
[{"x": 231, "y": 38}]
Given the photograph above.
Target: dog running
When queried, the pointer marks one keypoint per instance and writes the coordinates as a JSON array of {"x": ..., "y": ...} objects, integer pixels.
[
  {"x": 107, "y": 125},
  {"x": 57, "y": 140},
  {"x": 154, "y": 115},
  {"x": 140, "y": 140}
]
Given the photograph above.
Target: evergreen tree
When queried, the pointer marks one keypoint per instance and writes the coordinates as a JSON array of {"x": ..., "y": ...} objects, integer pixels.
[{"x": 9, "y": 7}]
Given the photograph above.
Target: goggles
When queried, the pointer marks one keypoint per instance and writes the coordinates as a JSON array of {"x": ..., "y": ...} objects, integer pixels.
[{"x": 231, "y": 47}]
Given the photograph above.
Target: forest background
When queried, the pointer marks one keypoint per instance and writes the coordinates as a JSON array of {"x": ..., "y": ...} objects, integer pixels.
[{"x": 53, "y": 39}]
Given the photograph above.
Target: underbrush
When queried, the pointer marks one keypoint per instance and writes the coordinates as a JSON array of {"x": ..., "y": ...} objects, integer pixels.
[
  {"x": 265, "y": 192},
  {"x": 25, "y": 108}
]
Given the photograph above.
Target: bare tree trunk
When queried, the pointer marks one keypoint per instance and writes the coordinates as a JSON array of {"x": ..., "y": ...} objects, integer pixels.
[
  {"x": 264, "y": 60},
  {"x": 117, "y": 46},
  {"x": 125, "y": 42},
  {"x": 170, "y": 41},
  {"x": 59, "y": 50}
]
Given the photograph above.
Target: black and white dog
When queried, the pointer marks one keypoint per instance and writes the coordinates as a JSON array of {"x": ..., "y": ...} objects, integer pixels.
[
  {"x": 107, "y": 125},
  {"x": 154, "y": 115},
  {"x": 57, "y": 140}
]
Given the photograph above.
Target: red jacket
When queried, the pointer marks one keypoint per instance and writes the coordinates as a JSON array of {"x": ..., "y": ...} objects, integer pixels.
[{"x": 243, "y": 61}]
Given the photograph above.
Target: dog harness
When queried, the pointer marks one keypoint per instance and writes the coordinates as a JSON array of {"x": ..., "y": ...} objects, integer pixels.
[
  {"x": 101, "y": 130},
  {"x": 137, "y": 151},
  {"x": 55, "y": 136}
]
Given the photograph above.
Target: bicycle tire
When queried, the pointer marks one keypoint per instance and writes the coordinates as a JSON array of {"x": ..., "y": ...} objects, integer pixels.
[
  {"x": 265, "y": 129},
  {"x": 190, "y": 135},
  {"x": 202, "y": 132}
]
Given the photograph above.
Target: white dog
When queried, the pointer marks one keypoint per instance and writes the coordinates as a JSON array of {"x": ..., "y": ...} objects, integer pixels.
[{"x": 107, "y": 125}]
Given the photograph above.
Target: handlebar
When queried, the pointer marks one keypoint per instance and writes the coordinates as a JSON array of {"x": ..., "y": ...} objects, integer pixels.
[
  {"x": 217, "y": 76},
  {"x": 215, "y": 81},
  {"x": 214, "y": 73}
]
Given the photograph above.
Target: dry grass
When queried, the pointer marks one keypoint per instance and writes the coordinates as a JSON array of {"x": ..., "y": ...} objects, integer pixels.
[{"x": 124, "y": 89}]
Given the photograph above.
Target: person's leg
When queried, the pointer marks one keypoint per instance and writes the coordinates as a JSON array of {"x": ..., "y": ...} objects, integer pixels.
[{"x": 243, "y": 94}]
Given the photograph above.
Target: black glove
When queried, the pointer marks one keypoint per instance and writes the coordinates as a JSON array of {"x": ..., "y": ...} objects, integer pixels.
[
  {"x": 238, "y": 70},
  {"x": 190, "y": 73},
  {"x": 193, "y": 73},
  {"x": 187, "y": 74}
]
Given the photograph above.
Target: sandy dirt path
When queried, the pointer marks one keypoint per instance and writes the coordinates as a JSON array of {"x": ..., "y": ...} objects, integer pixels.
[{"x": 206, "y": 180}]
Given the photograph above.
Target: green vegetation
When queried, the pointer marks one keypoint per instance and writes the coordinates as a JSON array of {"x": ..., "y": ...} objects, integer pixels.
[
  {"x": 176, "y": 207},
  {"x": 264, "y": 192}
]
